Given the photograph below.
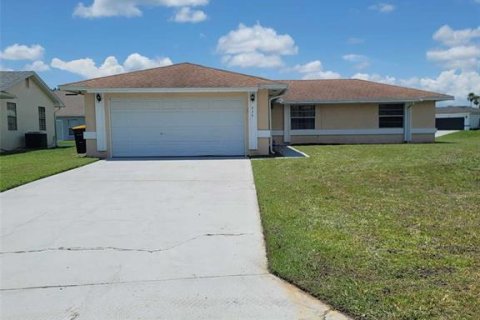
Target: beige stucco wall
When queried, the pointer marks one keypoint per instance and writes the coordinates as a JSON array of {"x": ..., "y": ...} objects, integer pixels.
[
  {"x": 423, "y": 115},
  {"x": 262, "y": 107},
  {"x": 27, "y": 100},
  {"x": 262, "y": 118},
  {"x": 346, "y": 116},
  {"x": 423, "y": 138},
  {"x": 277, "y": 116},
  {"x": 91, "y": 127},
  {"x": 356, "y": 116}
]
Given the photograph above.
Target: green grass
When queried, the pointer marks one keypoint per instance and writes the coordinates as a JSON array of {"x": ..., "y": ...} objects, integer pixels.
[
  {"x": 379, "y": 231},
  {"x": 23, "y": 167}
]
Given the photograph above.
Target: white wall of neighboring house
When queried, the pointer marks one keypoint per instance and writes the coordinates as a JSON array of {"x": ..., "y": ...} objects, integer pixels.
[
  {"x": 28, "y": 98},
  {"x": 475, "y": 121}
]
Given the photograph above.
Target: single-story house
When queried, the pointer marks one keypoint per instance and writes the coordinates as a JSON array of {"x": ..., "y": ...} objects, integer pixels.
[
  {"x": 192, "y": 110},
  {"x": 72, "y": 115},
  {"x": 26, "y": 105},
  {"x": 457, "y": 118}
]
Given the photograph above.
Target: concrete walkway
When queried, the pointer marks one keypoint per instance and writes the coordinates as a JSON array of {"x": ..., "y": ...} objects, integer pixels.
[
  {"x": 142, "y": 240},
  {"x": 440, "y": 133}
]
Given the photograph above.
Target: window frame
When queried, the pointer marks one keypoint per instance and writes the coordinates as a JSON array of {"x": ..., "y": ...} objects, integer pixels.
[
  {"x": 303, "y": 117},
  {"x": 42, "y": 121},
  {"x": 14, "y": 117},
  {"x": 388, "y": 113}
]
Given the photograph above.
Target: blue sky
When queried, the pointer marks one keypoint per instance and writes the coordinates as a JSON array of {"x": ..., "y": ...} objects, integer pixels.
[{"x": 428, "y": 44}]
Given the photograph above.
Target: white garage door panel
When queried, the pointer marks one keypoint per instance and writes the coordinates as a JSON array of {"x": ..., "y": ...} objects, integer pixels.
[{"x": 152, "y": 128}]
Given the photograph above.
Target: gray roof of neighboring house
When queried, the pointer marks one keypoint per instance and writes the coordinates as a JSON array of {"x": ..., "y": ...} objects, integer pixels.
[
  {"x": 453, "y": 109},
  {"x": 74, "y": 104},
  {"x": 10, "y": 78}
]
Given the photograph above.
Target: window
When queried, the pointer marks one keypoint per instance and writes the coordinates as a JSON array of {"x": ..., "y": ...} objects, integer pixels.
[
  {"x": 390, "y": 116},
  {"x": 302, "y": 117},
  {"x": 42, "y": 119},
  {"x": 71, "y": 123},
  {"x": 27, "y": 83},
  {"x": 12, "y": 116}
]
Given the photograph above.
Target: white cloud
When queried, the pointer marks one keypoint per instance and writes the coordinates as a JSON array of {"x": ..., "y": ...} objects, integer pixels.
[
  {"x": 260, "y": 43},
  {"x": 136, "y": 61},
  {"x": 450, "y": 37},
  {"x": 314, "y": 70},
  {"x": 360, "y": 61},
  {"x": 88, "y": 69},
  {"x": 37, "y": 66},
  {"x": 383, "y": 7},
  {"x": 127, "y": 8},
  {"x": 186, "y": 14},
  {"x": 461, "y": 57},
  {"x": 253, "y": 59},
  {"x": 375, "y": 77},
  {"x": 453, "y": 82},
  {"x": 462, "y": 49},
  {"x": 22, "y": 52}
]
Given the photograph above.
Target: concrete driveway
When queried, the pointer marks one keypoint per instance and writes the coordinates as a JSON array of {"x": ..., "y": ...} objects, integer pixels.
[{"x": 142, "y": 240}]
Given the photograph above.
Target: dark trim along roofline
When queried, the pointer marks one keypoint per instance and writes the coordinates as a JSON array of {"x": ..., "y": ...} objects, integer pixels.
[{"x": 386, "y": 100}]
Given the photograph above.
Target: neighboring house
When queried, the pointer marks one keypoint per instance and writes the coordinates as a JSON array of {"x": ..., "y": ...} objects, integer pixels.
[
  {"x": 26, "y": 105},
  {"x": 72, "y": 115},
  {"x": 457, "y": 118},
  {"x": 191, "y": 110}
]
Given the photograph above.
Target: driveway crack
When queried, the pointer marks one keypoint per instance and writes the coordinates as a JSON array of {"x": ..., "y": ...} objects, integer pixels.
[{"x": 101, "y": 248}]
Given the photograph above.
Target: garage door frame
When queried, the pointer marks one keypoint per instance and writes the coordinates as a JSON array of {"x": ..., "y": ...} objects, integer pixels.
[
  {"x": 239, "y": 100},
  {"x": 466, "y": 120}
]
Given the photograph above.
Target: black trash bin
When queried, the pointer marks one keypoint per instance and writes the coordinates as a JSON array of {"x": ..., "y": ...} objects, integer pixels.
[{"x": 80, "y": 142}]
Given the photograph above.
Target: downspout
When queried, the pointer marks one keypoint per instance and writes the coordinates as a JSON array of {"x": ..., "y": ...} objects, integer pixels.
[
  {"x": 270, "y": 100},
  {"x": 407, "y": 127}
]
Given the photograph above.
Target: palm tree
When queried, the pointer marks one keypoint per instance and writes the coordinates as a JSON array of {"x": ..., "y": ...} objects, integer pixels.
[
  {"x": 471, "y": 97},
  {"x": 474, "y": 99}
]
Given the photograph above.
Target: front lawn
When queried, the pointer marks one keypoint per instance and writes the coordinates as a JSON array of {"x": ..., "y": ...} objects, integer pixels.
[
  {"x": 20, "y": 168},
  {"x": 379, "y": 231}
]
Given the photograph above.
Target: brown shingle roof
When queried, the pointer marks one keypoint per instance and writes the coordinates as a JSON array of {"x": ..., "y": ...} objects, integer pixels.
[
  {"x": 182, "y": 75},
  {"x": 74, "y": 104},
  {"x": 352, "y": 90}
]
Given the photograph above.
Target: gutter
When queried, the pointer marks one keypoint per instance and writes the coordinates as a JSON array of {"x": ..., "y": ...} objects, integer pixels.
[{"x": 446, "y": 98}]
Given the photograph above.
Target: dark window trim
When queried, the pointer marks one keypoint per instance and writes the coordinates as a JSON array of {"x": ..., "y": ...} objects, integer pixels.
[
  {"x": 42, "y": 118},
  {"x": 12, "y": 122},
  {"x": 309, "y": 118},
  {"x": 391, "y": 115}
]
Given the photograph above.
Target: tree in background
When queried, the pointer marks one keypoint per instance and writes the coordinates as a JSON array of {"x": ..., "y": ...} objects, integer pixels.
[{"x": 474, "y": 99}]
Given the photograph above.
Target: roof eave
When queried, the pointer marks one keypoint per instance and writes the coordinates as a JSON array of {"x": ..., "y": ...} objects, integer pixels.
[
  {"x": 162, "y": 90},
  {"x": 274, "y": 86},
  {"x": 384, "y": 100}
]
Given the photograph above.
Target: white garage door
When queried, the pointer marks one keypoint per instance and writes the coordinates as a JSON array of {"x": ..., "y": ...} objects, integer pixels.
[{"x": 173, "y": 127}]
